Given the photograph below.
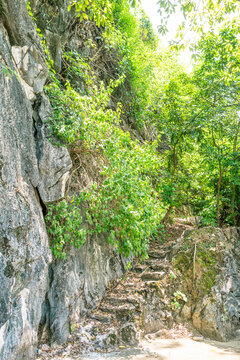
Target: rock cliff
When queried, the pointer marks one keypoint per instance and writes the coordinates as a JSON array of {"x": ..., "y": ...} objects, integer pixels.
[
  {"x": 35, "y": 290},
  {"x": 207, "y": 265}
]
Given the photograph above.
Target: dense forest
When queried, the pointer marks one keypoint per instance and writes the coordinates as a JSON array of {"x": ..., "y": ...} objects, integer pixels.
[{"x": 186, "y": 160}]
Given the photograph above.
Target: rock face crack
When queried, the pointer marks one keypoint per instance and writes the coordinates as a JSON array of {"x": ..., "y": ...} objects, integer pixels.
[
  {"x": 44, "y": 332},
  {"x": 52, "y": 160},
  {"x": 40, "y": 202},
  {"x": 37, "y": 126}
]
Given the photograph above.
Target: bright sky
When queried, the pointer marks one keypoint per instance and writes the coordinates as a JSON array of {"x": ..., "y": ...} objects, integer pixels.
[{"x": 151, "y": 8}]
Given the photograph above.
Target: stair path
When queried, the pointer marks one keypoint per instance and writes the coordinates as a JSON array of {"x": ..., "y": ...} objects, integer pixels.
[
  {"x": 135, "y": 305},
  {"x": 120, "y": 318}
]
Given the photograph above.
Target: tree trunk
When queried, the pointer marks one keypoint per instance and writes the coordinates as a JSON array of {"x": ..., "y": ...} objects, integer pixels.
[
  {"x": 166, "y": 217},
  {"x": 234, "y": 186},
  {"x": 218, "y": 191}
]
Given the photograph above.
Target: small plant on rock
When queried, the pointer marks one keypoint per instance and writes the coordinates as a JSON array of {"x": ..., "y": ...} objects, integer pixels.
[{"x": 179, "y": 298}]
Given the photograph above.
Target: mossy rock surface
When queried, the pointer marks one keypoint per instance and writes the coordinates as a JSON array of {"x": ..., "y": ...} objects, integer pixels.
[{"x": 197, "y": 262}]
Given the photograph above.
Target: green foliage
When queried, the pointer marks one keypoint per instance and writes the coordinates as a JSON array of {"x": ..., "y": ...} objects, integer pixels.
[
  {"x": 124, "y": 205},
  {"x": 2, "y": 10},
  {"x": 133, "y": 38},
  {"x": 72, "y": 328},
  {"x": 100, "y": 11},
  {"x": 199, "y": 116},
  {"x": 196, "y": 115},
  {"x": 65, "y": 225},
  {"x": 172, "y": 275},
  {"x": 178, "y": 299},
  {"x": 217, "y": 78},
  {"x": 198, "y": 16}
]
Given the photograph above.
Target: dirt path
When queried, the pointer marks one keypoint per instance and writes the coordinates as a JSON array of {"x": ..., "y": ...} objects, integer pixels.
[
  {"x": 187, "y": 349},
  {"x": 171, "y": 349},
  {"x": 120, "y": 307}
]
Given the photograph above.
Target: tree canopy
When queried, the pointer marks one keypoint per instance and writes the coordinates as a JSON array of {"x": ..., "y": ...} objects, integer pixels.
[{"x": 165, "y": 139}]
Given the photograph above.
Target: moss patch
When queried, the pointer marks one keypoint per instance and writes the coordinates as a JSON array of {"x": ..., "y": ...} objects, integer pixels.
[{"x": 197, "y": 267}]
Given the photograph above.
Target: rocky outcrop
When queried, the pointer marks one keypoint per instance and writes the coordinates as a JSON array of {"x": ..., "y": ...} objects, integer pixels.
[
  {"x": 25, "y": 175},
  {"x": 134, "y": 305},
  {"x": 194, "y": 279},
  {"x": 35, "y": 289},
  {"x": 208, "y": 265},
  {"x": 77, "y": 286},
  {"x": 24, "y": 248},
  {"x": 19, "y": 25}
]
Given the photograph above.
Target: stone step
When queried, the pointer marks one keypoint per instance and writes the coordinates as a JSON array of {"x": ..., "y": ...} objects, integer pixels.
[
  {"x": 101, "y": 317},
  {"x": 129, "y": 284},
  {"x": 114, "y": 309},
  {"x": 124, "y": 291},
  {"x": 122, "y": 313},
  {"x": 159, "y": 254},
  {"x": 139, "y": 268},
  {"x": 106, "y": 308},
  {"x": 128, "y": 292},
  {"x": 128, "y": 334},
  {"x": 155, "y": 285},
  {"x": 142, "y": 291},
  {"x": 153, "y": 261},
  {"x": 154, "y": 276},
  {"x": 126, "y": 313},
  {"x": 158, "y": 265},
  {"x": 117, "y": 300}
]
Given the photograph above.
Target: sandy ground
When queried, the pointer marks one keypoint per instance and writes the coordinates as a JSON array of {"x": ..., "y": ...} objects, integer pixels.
[
  {"x": 187, "y": 349},
  {"x": 171, "y": 349}
]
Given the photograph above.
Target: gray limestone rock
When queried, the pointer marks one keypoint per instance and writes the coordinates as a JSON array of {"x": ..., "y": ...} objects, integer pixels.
[
  {"x": 32, "y": 67},
  {"x": 54, "y": 162},
  {"x": 54, "y": 43},
  {"x": 54, "y": 167},
  {"x": 24, "y": 247},
  {"x": 128, "y": 334},
  {"x": 214, "y": 302},
  {"x": 79, "y": 283},
  {"x": 34, "y": 172},
  {"x": 24, "y": 250},
  {"x": 19, "y": 25}
]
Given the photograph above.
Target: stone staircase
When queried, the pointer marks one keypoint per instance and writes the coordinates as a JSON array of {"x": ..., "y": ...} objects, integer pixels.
[{"x": 135, "y": 305}]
